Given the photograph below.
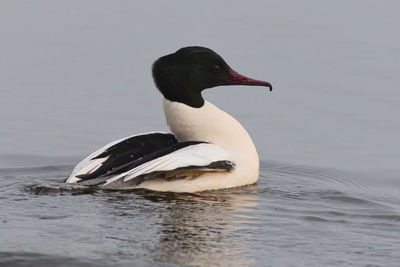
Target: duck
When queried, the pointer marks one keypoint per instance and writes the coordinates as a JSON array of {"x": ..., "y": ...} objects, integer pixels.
[{"x": 208, "y": 149}]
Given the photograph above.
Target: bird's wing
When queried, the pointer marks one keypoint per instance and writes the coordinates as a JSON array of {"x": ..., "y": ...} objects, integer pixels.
[
  {"x": 189, "y": 155},
  {"x": 120, "y": 156}
]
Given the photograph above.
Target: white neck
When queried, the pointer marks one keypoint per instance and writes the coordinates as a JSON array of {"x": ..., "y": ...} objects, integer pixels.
[{"x": 213, "y": 125}]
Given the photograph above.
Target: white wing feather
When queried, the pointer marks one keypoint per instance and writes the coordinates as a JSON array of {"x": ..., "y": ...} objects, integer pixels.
[{"x": 195, "y": 155}]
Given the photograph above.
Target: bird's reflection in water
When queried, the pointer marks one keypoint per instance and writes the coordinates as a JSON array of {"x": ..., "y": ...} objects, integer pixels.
[
  {"x": 207, "y": 228},
  {"x": 211, "y": 228}
]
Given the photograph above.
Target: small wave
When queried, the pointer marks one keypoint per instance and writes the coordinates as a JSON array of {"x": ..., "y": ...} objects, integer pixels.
[
  {"x": 342, "y": 178},
  {"x": 35, "y": 259},
  {"x": 338, "y": 196},
  {"x": 321, "y": 219},
  {"x": 59, "y": 188}
]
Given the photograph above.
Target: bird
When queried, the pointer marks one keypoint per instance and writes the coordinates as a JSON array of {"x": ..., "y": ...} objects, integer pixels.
[{"x": 207, "y": 150}]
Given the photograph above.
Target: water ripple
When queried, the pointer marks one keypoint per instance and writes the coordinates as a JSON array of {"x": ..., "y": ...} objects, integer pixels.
[{"x": 293, "y": 210}]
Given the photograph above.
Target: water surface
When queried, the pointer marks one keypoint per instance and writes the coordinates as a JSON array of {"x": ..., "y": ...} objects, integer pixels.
[{"x": 311, "y": 216}]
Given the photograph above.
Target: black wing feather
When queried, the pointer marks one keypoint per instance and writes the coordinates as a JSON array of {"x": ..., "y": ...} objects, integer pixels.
[
  {"x": 135, "y": 151},
  {"x": 129, "y": 150}
]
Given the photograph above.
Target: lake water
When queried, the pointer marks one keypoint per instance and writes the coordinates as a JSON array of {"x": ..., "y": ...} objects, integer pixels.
[{"x": 75, "y": 75}]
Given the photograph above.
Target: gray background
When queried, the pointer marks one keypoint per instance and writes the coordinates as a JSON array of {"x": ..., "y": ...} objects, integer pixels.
[{"x": 75, "y": 75}]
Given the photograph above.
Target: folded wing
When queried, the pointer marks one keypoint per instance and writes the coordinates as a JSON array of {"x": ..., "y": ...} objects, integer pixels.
[
  {"x": 137, "y": 158},
  {"x": 189, "y": 159}
]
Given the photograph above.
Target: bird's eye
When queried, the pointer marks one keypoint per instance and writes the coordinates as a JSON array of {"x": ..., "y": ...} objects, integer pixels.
[{"x": 216, "y": 68}]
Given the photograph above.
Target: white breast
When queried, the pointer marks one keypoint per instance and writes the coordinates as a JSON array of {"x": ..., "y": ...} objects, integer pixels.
[{"x": 211, "y": 124}]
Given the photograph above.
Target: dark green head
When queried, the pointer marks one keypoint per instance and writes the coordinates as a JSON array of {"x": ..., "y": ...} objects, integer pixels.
[{"x": 182, "y": 76}]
